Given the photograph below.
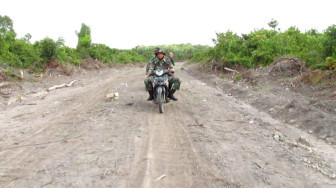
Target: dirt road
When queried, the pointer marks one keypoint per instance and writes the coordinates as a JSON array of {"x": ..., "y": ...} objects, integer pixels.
[{"x": 73, "y": 137}]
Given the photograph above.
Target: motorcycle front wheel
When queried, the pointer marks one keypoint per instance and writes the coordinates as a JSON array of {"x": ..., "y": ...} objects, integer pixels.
[{"x": 160, "y": 98}]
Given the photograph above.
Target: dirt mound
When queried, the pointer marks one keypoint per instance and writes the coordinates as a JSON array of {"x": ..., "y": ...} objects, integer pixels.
[
  {"x": 284, "y": 67},
  {"x": 54, "y": 68},
  {"x": 322, "y": 84},
  {"x": 286, "y": 71},
  {"x": 92, "y": 64},
  {"x": 318, "y": 76},
  {"x": 53, "y": 64}
]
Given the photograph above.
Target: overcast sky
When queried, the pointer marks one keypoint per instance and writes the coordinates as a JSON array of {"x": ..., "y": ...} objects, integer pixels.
[{"x": 125, "y": 24}]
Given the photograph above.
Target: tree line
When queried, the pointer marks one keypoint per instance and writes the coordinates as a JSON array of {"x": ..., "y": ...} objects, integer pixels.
[
  {"x": 257, "y": 48},
  {"x": 182, "y": 52},
  {"x": 262, "y": 46},
  {"x": 22, "y": 53}
]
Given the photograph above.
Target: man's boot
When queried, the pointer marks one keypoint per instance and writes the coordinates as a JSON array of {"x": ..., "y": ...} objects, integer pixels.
[
  {"x": 151, "y": 96},
  {"x": 171, "y": 95}
]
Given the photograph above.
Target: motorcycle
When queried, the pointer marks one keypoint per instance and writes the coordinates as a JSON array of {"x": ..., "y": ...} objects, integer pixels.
[{"x": 161, "y": 87}]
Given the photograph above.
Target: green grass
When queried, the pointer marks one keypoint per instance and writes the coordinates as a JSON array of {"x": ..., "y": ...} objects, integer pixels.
[
  {"x": 11, "y": 74},
  {"x": 238, "y": 77},
  {"x": 264, "y": 88},
  {"x": 287, "y": 79}
]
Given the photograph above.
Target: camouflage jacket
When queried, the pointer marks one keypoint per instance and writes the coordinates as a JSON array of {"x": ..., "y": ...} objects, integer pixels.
[
  {"x": 165, "y": 63},
  {"x": 172, "y": 60},
  {"x": 154, "y": 59}
]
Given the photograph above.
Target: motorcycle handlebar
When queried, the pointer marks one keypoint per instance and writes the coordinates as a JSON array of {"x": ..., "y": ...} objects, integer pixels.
[{"x": 165, "y": 71}]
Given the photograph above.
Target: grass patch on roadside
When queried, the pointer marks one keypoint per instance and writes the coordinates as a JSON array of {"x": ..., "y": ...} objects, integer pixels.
[
  {"x": 317, "y": 76},
  {"x": 11, "y": 74},
  {"x": 238, "y": 77},
  {"x": 264, "y": 88}
]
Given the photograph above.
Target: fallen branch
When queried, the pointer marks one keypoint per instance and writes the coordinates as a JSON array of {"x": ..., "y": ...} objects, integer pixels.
[
  {"x": 163, "y": 176},
  {"x": 231, "y": 70},
  {"x": 60, "y": 86},
  {"x": 70, "y": 84}
]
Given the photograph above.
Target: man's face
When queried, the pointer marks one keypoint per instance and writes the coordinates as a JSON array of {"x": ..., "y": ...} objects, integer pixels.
[{"x": 159, "y": 56}]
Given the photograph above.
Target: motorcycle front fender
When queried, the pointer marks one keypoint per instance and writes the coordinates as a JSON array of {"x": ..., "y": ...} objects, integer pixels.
[{"x": 159, "y": 89}]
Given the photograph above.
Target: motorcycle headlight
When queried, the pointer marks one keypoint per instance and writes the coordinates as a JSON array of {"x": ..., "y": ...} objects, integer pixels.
[
  {"x": 159, "y": 72},
  {"x": 159, "y": 80}
]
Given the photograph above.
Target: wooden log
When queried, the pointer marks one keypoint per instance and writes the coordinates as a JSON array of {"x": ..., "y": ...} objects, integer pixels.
[
  {"x": 61, "y": 86},
  {"x": 70, "y": 84},
  {"x": 231, "y": 70}
]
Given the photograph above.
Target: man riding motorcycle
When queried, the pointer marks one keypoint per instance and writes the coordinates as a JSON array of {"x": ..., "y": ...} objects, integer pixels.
[
  {"x": 171, "y": 55},
  {"x": 160, "y": 61}
]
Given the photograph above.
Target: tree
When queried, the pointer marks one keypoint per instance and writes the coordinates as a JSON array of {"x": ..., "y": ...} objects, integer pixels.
[
  {"x": 84, "y": 40},
  {"x": 60, "y": 42},
  {"x": 27, "y": 37},
  {"x": 7, "y": 34},
  {"x": 330, "y": 41},
  {"x": 47, "y": 49},
  {"x": 6, "y": 24},
  {"x": 85, "y": 30},
  {"x": 273, "y": 24}
]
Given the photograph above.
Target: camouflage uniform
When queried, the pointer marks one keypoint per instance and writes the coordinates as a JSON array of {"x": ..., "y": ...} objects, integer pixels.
[
  {"x": 153, "y": 60},
  {"x": 172, "y": 60},
  {"x": 165, "y": 63},
  {"x": 148, "y": 64}
]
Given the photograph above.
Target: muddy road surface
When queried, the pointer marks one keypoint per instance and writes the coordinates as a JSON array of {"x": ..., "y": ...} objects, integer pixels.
[{"x": 73, "y": 137}]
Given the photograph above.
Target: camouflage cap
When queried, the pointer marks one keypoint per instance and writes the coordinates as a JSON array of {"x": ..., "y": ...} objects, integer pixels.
[
  {"x": 156, "y": 49},
  {"x": 159, "y": 50}
]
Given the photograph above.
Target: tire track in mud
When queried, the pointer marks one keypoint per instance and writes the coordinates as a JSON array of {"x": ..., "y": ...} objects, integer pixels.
[
  {"x": 48, "y": 135},
  {"x": 237, "y": 141},
  {"x": 167, "y": 158},
  {"x": 54, "y": 135},
  {"x": 203, "y": 140},
  {"x": 218, "y": 146}
]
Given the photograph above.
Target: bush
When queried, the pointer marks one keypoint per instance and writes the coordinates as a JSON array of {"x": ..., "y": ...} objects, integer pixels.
[
  {"x": 328, "y": 64},
  {"x": 84, "y": 41},
  {"x": 65, "y": 54},
  {"x": 23, "y": 54},
  {"x": 330, "y": 41},
  {"x": 10, "y": 74},
  {"x": 262, "y": 47},
  {"x": 182, "y": 52},
  {"x": 46, "y": 49},
  {"x": 108, "y": 55}
]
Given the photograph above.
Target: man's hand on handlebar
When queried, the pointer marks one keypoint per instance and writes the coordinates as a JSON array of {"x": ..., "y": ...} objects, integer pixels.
[{"x": 149, "y": 73}]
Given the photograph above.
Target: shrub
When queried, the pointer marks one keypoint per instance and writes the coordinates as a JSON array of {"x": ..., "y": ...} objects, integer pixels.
[{"x": 46, "y": 49}]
